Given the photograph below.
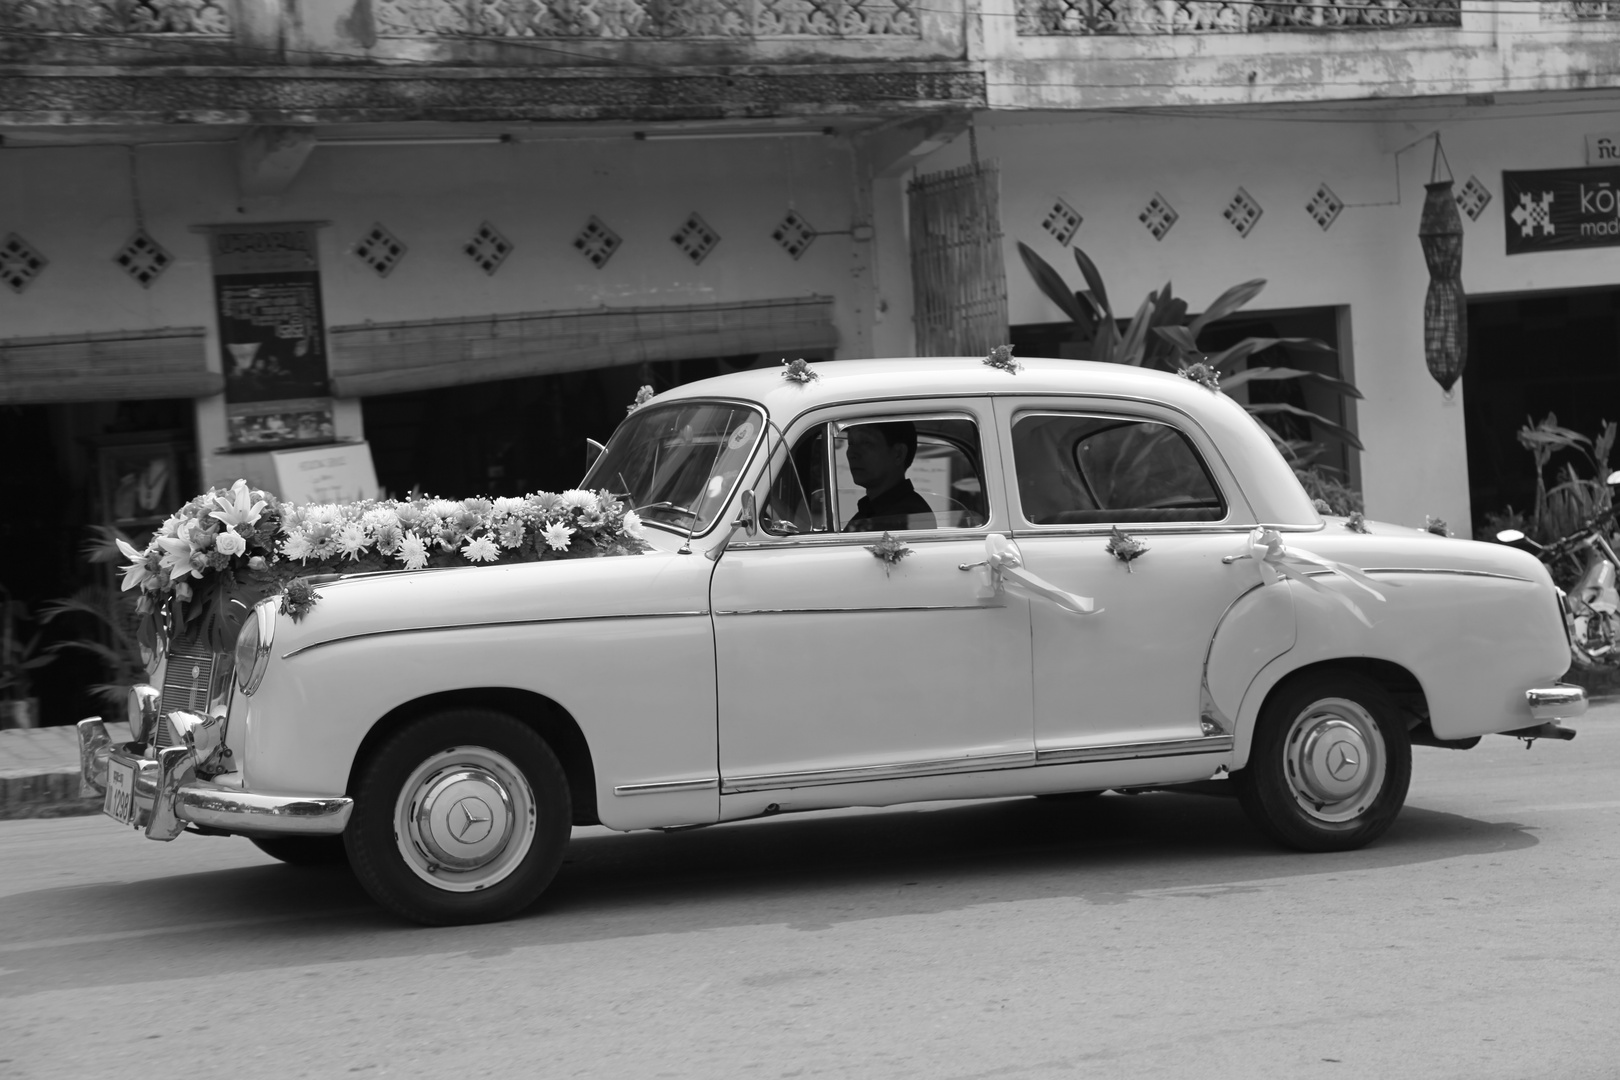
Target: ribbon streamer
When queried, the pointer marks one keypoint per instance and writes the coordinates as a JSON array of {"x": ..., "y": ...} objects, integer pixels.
[
  {"x": 1276, "y": 561},
  {"x": 1005, "y": 563}
]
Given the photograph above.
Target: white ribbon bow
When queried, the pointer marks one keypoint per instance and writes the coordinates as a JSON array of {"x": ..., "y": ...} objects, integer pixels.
[
  {"x": 1276, "y": 561},
  {"x": 1004, "y": 562}
]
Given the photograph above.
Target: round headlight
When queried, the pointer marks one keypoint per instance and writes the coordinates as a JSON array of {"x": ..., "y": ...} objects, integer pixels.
[{"x": 253, "y": 646}]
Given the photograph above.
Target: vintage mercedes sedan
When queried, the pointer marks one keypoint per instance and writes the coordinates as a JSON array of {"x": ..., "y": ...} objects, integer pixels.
[{"x": 864, "y": 583}]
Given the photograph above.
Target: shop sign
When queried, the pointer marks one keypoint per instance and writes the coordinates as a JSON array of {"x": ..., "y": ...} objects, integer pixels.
[
  {"x": 326, "y": 474},
  {"x": 1561, "y": 209},
  {"x": 1603, "y": 149},
  {"x": 272, "y": 333}
]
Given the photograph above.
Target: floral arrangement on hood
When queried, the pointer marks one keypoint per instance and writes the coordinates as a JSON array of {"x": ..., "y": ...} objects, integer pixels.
[{"x": 238, "y": 544}]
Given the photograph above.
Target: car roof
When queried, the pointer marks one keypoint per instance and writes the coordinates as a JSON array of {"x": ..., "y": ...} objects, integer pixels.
[
  {"x": 1268, "y": 483},
  {"x": 862, "y": 380}
]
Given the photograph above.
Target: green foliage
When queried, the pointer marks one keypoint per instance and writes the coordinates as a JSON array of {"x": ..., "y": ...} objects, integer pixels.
[
  {"x": 106, "y": 618},
  {"x": 1160, "y": 335},
  {"x": 20, "y": 655},
  {"x": 1574, "y": 499}
]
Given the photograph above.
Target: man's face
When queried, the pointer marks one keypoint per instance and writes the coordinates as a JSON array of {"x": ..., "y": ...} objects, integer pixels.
[{"x": 873, "y": 463}]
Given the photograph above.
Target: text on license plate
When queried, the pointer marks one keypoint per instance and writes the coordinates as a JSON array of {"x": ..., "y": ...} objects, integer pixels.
[{"x": 120, "y": 804}]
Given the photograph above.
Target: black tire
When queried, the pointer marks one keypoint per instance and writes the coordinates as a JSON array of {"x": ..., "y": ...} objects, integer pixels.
[
  {"x": 303, "y": 850},
  {"x": 1070, "y": 796},
  {"x": 1330, "y": 763},
  {"x": 418, "y": 840}
]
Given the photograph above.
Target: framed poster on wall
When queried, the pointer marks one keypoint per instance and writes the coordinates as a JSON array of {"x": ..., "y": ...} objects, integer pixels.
[{"x": 272, "y": 333}]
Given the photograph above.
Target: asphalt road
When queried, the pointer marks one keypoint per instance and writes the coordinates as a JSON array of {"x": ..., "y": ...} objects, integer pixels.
[{"x": 1149, "y": 935}]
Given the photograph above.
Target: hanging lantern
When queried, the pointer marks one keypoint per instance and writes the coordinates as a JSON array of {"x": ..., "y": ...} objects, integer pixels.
[{"x": 1445, "y": 309}]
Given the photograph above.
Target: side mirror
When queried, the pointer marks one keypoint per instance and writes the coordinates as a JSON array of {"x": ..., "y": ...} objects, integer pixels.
[
  {"x": 748, "y": 518},
  {"x": 593, "y": 450},
  {"x": 1509, "y": 536}
]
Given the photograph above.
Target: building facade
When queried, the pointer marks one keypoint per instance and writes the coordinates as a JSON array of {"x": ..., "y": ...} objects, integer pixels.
[{"x": 515, "y": 213}]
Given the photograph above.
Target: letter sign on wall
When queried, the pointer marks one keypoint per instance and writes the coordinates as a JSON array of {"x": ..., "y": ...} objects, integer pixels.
[{"x": 1561, "y": 209}]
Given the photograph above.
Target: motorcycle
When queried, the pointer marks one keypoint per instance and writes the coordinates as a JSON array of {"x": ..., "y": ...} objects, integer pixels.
[{"x": 1591, "y": 605}]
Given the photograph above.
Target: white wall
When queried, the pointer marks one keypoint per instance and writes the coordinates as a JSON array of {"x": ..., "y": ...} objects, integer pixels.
[
  {"x": 1108, "y": 166},
  {"x": 74, "y": 205}
]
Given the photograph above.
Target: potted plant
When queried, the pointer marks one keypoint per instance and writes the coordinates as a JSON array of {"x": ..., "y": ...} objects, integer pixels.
[{"x": 19, "y": 658}]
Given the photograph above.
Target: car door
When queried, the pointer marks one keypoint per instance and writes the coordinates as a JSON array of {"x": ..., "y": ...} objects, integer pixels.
[
  {"x": 1086, "y": 479},
  {"x": 876, "y": 654}
]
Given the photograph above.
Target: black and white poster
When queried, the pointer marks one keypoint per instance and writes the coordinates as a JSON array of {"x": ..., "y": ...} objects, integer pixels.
[
  {"x": 267, "y": 294},
  {"x": 1561, "y": 209}
]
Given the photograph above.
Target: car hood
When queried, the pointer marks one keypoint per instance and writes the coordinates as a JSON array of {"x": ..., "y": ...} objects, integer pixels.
[{"x": 653, "y": 583}]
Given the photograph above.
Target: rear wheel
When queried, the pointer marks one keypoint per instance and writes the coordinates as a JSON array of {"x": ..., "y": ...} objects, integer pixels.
[
  {"x": 1330, "y": 763},
  {"x": 303, "y": 850},
  {"x": 460, "y": 817}
]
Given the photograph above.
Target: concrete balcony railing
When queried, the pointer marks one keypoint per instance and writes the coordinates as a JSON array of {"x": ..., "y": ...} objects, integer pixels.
[{"x": 1037, "y": 18}]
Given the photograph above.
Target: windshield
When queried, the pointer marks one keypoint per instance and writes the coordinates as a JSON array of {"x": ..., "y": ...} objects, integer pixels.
[{"x": 676, "y": 464}]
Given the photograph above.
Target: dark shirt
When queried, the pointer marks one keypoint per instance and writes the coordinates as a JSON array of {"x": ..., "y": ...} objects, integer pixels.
[{"x": 898, "y": 508}]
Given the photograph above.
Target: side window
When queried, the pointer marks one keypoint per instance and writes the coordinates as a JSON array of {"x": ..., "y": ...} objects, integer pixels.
[
  {"x": 1083, "y": 470},
  {"x": 907, "y": 472},
  {"x": 797, "y": 500}
]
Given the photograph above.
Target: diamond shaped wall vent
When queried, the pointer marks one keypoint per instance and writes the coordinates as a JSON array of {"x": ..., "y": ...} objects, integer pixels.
[
  {"x": 1062, "y": 222},
  {"x": 1324, "y": 207},
  {"x": 696, "y": 238},
  {"x": 381, "y": 250},
  {"x": 143, "y": 258},
  {"x": 488, "y": 248},
  {"x": 1473, "y": 197},
  {"x": 1243, "y": 212},
  {"x": 597, "y": 242},
  {"x": 1158, "y": 216},
  {"x": 794, "y": 234},
  {"x": 20, "y": 264}
]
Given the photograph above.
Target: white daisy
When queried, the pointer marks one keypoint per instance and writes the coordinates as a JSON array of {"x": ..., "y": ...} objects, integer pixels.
[
  {"x": 632, "y": 524},
  {"x": 297, "y": 546},
  {"x": 352, "y": 540}
]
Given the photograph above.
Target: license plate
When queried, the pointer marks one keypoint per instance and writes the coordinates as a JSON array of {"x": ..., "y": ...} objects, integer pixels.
[{"x": 120, "y": 804}]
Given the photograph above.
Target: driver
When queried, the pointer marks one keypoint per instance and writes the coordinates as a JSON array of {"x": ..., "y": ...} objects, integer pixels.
[{"x": 878, "y": 456}]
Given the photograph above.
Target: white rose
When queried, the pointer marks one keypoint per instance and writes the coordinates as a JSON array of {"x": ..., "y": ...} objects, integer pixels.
[{"x": 228, "y": 542}]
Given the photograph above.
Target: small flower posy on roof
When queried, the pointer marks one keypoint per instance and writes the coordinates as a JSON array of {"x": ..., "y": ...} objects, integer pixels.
[
  {"x": 1125, "y": 547},
  {"x": 1436, "y": 525},
  {"x": 798, "y": 371},
  {"x": 1202, "y": 374},
  {"x": 643, "y": 395},
  {"x": 1002, "y": 357},
  {"x": 889, "y": 552},
  {"x": 1355, "y": 522}
]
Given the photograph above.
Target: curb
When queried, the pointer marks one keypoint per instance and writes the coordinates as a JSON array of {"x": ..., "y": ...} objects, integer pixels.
[{"x": 39, "y": 772}]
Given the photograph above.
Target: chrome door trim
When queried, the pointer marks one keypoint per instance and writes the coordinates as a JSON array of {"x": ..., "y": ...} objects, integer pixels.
[
  {"x": 1208, "y": 744},
  {"x": 903, "y": 770},
  {"x": 1023, "y": 759},
  {"x": 488, "y": 625},
  {"x": 668, "y": 787},
  {"x": 1444, "y": 570},
  {"x": 863, "y": 610}
]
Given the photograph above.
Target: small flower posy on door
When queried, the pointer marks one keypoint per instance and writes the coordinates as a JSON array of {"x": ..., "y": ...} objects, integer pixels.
[
  {"x": 643, "y": 395},
  {"x": 1203, "y": 374},
  {"x": 1125, "y": 547},
  {"x": 889, "y": 552},
  {"x": 1355, "y": 522}
]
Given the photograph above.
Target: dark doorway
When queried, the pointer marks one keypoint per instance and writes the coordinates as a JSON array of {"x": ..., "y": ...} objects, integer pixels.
[
  {"x": 517, "y": 435},
  {"x": 1529, "y": 356}
]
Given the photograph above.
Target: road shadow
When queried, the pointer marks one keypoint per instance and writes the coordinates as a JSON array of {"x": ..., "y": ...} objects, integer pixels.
[{"x": 808, "y": 873}]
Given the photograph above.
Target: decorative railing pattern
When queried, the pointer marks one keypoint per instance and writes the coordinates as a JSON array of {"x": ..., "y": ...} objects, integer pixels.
[
  {"x": 1584, "y": 10},
  {"x": 211, "y": 17},
  {"x": 1085, "y": 17},
  {"x": 644, "y": 19}
]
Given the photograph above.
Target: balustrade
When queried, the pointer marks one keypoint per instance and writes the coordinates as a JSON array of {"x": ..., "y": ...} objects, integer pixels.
[
  {"x": 1086, "y": 17},
  {"x": 643, "y": 19},
  {"x": 110, "y": 17}
]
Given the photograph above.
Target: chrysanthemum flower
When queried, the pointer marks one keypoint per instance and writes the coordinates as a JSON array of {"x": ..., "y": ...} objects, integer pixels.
[
  {"x": 412, "y": 552},
  {"x": 632, "y": 524},
  {"x": 557, "y": 536},
  {"x": 352, "y": 540},
  {"x": 579, "y": 499},
  {"x": 482, "y": 549}
]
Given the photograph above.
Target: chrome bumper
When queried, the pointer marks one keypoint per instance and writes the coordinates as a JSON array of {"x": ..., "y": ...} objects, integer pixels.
[
  {"x": 1561, "y": 702},
  {"x": 169, "y": 796}
]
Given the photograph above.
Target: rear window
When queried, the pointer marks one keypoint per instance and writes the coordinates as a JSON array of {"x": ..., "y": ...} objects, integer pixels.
[{"x": 1083, "y": 469}]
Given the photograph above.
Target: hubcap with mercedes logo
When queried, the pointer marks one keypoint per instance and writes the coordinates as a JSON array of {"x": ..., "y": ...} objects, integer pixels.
[
  {"x": 465, "y": 818},
  {"x": 1335, "y": 762}
]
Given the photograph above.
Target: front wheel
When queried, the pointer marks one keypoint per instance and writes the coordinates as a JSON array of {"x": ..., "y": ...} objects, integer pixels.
[
  {"x": 460, "y": 817},
  {"x": 1330, "y": 763}
]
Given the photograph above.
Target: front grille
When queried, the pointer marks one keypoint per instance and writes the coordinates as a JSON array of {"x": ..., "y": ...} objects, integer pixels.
[{"x": 188, "y": 678}]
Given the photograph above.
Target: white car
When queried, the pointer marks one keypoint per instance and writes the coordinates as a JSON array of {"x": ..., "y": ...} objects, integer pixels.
[{"x": 878, "y": 582}]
